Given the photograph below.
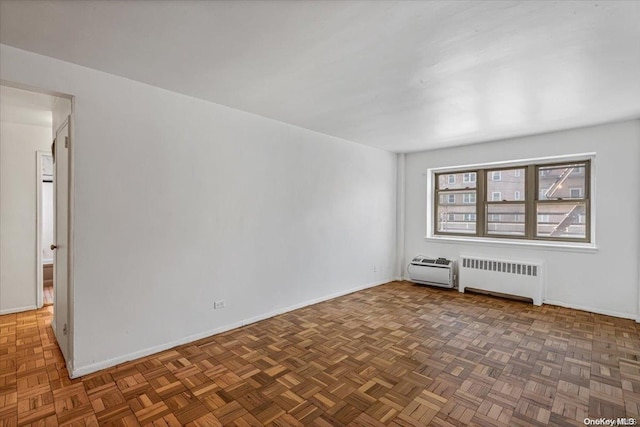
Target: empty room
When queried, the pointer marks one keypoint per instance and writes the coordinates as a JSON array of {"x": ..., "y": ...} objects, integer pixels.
[{"x": 325, "y": 213}]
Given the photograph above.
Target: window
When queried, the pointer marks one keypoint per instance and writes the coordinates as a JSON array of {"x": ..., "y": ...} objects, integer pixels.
[
  {"x": 469, "y": 177},
  {"x": 543, "y": 218},
  {"x": 451, "y": 179},
  {"x": 451, "y": 198},
  {"x": 537, "y": 201}
]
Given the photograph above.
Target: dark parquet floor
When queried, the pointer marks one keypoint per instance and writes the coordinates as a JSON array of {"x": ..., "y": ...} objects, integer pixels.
[{"x": 393, "y": 355}]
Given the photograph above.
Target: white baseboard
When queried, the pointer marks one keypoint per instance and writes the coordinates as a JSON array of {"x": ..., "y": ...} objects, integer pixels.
[
  {"x": 593, "y": 309},
  {"x": 583, "y": 308},
  {"x": 94, "y": 367},
  {"x": 17, "y": 309}
]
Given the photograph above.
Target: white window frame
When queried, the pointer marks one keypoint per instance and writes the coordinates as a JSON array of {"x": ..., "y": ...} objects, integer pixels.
[
  {"x": 496, "y": 176},
  {"x": 466, "y": 198},
  {"x": 496, "y": 196},
  {"x": 516, "y": 194},
  {"x": 466, "y": 178},
  {"x": 451, "y": 179},
  {"x": 469, "y": 217}
]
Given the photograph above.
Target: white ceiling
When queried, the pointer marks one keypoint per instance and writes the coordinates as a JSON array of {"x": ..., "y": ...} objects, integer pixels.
[
  {"x": 25, "y": 107},
  {"x": 399, "y": 75}
]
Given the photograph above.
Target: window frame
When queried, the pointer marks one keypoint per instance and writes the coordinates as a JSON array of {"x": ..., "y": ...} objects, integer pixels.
[{"x": 530, "y": 199}]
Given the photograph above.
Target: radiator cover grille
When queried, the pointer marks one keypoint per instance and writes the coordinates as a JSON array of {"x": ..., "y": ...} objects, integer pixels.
[
  {"x": 512, "y": 277},
  {"x": 500, "y": 266}
]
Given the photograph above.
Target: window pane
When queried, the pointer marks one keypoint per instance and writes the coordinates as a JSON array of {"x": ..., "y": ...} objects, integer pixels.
[
  {"x": 510, "y": 186},
  {"x": 566, "y": 220},
  {"x": 506, "y": 219},
  {"x": 561, "y": 182},
  {"x": 455, "y": 181},
  {"x": 458, "y": 216}
]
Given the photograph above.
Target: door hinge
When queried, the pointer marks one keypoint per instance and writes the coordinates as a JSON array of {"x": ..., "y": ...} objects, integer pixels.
[
  {"x": 64, "y": 329},
  {"x": 66, "y": 142}
]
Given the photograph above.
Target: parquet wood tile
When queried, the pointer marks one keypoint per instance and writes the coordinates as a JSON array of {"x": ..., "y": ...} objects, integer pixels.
[{"x": 394, "y": 355}]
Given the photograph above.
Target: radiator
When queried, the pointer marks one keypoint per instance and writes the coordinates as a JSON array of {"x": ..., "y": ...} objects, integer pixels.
[{"x": 519, "y": 278}]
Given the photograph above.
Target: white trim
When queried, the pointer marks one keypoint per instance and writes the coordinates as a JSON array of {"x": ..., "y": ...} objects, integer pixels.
[
  {"x": 577, "y": 307},
  {"x": 592, "y": 309},
  {"x": 487, "y": 241},
  {"x": 18, "y": 309},
  {"x": 39, "y": 273},
  {"x": 70, "y": 235},
  {"x": 94, "y": 367},
  {"x": 400, "y": 212}
]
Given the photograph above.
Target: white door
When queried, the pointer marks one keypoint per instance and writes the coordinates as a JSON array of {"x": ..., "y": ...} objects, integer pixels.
[{"x": 61, "y": 238}]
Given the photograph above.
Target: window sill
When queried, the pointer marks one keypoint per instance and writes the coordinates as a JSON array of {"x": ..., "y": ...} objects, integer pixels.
[{"x": 528, "y": 244}]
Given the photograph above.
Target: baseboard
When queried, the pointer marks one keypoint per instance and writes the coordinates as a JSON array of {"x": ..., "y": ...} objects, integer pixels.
[
  {"x": 582, "y": 308},
  {"x": 592, "y": 309},
  {"x": 94, "y": 367},
  {"x": 18, "y": 309}
]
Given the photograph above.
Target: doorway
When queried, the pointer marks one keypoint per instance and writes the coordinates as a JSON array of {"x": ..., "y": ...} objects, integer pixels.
[
  {"x": 45, "y": 227},
  {"x": 35, "y": 202}
]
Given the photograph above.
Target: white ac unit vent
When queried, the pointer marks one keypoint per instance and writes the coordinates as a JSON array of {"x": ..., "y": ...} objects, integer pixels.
[
  {"x": 511, "y": 277},
  {"x": 432, "y": 271}
]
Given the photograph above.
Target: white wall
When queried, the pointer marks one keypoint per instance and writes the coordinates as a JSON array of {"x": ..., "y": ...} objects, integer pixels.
[
  {"x": 605, "y": 281},
  {"x": 18, "y": 177},
  {"x": 180, "y": 202}
]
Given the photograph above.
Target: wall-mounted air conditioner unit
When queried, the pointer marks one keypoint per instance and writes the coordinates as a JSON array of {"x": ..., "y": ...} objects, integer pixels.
[{"x": 432, "y": 271}]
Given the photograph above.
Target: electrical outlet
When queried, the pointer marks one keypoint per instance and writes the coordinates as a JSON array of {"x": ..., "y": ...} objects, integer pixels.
[{"x": 218, "y": 304}]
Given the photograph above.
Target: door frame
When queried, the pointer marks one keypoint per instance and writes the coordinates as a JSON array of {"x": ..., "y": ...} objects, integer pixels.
[
  {"x": 39, "y": 228},
  {"x": 70, "y": 208}
]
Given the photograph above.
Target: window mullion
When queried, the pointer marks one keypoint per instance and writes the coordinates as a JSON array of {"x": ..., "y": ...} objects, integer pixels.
[
  {"x": 530, "y": 196},
  {"x": 481, "y": 217}
]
